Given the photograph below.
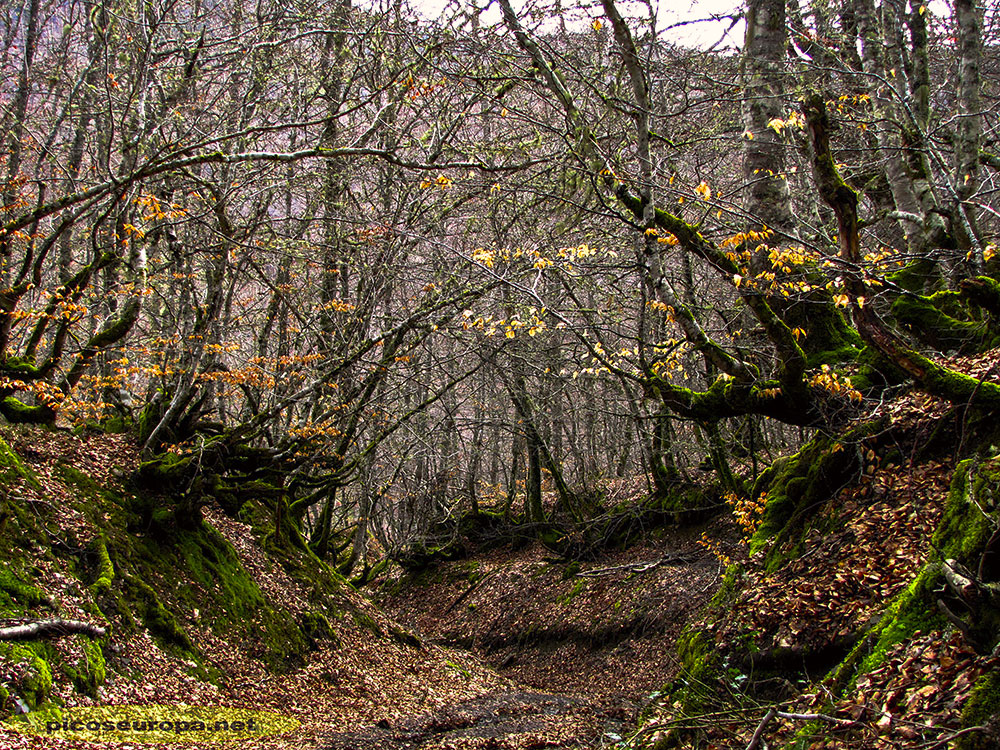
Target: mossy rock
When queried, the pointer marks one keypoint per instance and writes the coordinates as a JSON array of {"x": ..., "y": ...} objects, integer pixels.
[{"x": 34, "y": 658}]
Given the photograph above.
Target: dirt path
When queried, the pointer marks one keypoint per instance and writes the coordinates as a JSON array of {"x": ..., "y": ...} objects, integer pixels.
[
  {"x": 591, "y": 643},
  {"x": 507, "y": 719}
]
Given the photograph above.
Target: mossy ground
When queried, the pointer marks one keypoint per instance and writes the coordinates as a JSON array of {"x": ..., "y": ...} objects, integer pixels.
[
  {"x": 801, "y": 511},
  {"x": 137, "y": 572}
]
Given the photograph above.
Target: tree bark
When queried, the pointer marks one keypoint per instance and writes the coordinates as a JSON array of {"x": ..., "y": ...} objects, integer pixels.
[{"x": 50, "y": 628}]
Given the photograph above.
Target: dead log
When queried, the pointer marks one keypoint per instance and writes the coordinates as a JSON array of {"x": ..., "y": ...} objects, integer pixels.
[{"x": 49, "y": 628}]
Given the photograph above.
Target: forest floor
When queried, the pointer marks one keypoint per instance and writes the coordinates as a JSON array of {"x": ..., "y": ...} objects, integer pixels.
[
  {"x": 574, "y": 656},
  {"x": 602, "y": 632}
]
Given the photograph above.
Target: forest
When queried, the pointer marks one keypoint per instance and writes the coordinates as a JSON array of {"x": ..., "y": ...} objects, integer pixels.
[{"x": 361, "y": 297}]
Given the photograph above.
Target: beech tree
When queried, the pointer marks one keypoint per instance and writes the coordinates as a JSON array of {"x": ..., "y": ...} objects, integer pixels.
[
  {"x": 303, "y": 247},
  {"x": 816, "y": 296}
]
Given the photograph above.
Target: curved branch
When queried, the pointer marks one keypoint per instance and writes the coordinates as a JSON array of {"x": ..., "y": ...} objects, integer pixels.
[{"x": 50, "y": 628}]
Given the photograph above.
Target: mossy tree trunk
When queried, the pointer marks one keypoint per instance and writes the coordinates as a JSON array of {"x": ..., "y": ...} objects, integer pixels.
[{"x": 934, "y": 378}]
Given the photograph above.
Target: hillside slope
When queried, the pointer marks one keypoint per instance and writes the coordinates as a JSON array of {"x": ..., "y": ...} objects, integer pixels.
[{"x": 205, "y": 617}]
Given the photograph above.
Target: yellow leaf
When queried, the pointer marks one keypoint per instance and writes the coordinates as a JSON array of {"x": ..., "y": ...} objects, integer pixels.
[
  {"x": 777, "y": 125},
  {"x": 596, "y": 25},
  {"x": 737, "y": 279}
]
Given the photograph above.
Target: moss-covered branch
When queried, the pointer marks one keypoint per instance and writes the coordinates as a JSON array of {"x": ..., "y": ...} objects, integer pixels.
[
  {"x": 983, "y": 291},
  {"x": 113, "y": 331},
  {"x": 934, "y": 378},
  {"x": 729, "y": 397}
]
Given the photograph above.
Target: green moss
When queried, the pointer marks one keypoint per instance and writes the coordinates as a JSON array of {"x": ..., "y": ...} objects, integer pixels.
[
  {"x": 13, "y": 469},
  {"x": 73, "y": 476},
  {"x": 128, "y": 566},
  {"x": 797, "y": 485},
  {"x": 571, "y": 570},
  {"x": 18, "y": 412},
  {"x": 925, "y": 318},
  {"x": 150, "y": 416},
  {"x": 983, "y": 291},
  {"x": 105, "y": 570},
  {"x": 37, "y": 682},
  {"x": 460, "y": 669},
  {"x": 367, "y": 622},
  {"x": 14, "y": 590},
  {"x": 160, "y": 622},
  {"x": 33, "y": 657},
  {"x": 567, "y": 597},
  {"x": 729, "y": 587},
  {"x": 118, "y": 424},
  {"x": 92, "y": 672},
  {"x": 983, "y": 705},
  {"x": 701, "y": 666},
  {"x": 315, "y": 626},
  {"x": 962, "y": 535},
  {"x": 964, "y": 529},
  {"x": 911, "y": 610},
  {"x": 239, "y": 605},
  {"x": 19, "y": 368},
  {"x": 167, "y": 470}
]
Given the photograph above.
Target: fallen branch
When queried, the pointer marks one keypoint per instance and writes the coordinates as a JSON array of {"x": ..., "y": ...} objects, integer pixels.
[
  {"x": 469, "y": 590},
  {"x": 640, "y": 567},
  {"x": 816, "y": 717},
  {"x": 45, "y": 628},
  {"x": 759, "y": 732},
  {"x": 960, "y": 580},
  {"x": 953, "y": 737}
]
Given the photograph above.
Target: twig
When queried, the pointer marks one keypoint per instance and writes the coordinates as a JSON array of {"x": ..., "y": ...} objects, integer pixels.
[
  {"x": 759, "y": 732},
  {"x": 469, "y": 590},
  {"x": 956, "y": 735},
  {"x": 54, "y": 627},
  {"x": 816, "y": 717},
  {"x": 640, "y": 567}
]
